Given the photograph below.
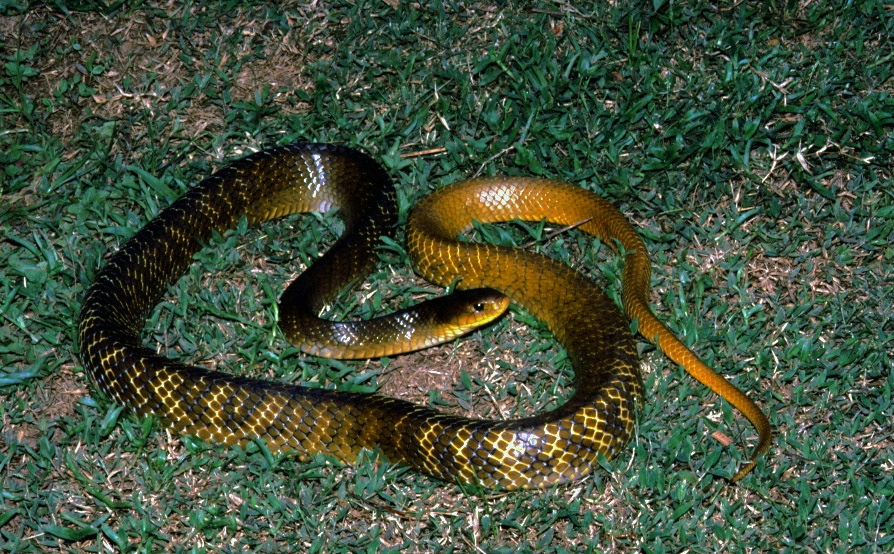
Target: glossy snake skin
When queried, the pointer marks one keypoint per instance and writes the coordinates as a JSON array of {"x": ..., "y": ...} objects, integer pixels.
[{"x": 537, "y": 451}]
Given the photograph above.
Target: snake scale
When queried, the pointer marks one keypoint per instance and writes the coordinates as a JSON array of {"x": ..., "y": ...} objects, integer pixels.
[{"x": 552, "y": 447}]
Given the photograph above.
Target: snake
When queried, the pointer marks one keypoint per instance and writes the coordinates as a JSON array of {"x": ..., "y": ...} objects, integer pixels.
[{"x": 560, "y": 445}]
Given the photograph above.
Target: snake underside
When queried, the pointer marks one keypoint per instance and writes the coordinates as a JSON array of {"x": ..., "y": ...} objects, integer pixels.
[{"x": 552, "y": 447}]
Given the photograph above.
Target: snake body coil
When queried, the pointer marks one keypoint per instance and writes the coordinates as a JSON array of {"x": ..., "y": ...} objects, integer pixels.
[{"x": 536, "y": 451}]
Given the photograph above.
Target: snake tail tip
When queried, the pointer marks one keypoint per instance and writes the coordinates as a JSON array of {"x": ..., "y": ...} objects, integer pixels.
[{"x": 743, "y": 472}]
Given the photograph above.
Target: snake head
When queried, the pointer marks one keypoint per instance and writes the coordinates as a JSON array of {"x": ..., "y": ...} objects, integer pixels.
[{"x": 466, "y": 310}]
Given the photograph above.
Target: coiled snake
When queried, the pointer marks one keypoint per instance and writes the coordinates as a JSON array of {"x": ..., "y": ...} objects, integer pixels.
[{"x": 552, "y": 447}]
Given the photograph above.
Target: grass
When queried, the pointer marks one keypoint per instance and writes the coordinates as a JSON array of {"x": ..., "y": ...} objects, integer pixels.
[{"x": 750, "y": 142}]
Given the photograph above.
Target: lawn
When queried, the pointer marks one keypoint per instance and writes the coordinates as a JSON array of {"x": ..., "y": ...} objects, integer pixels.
[{"x": 751, "y": 143}]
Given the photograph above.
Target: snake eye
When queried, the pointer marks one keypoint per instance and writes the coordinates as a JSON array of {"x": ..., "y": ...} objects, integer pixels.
[{"x": 478, "y": 307}]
